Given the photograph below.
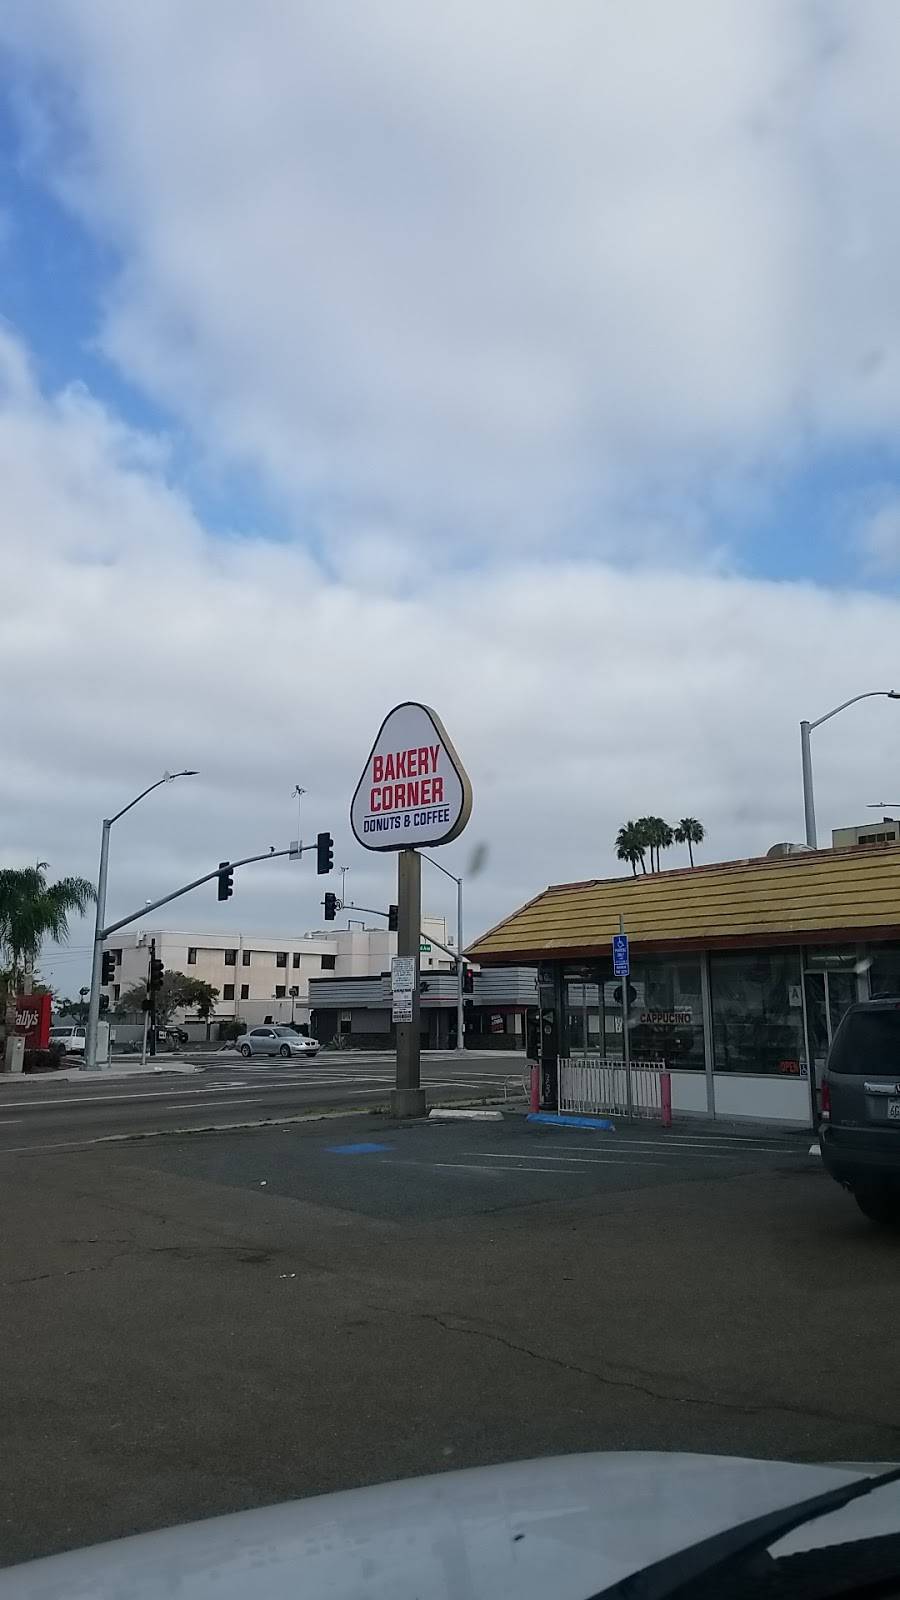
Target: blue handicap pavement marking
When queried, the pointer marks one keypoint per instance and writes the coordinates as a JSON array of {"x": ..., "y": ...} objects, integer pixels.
[
  {"x": 357, "y": 1149},
  {"x": 553, "y": 1120}
]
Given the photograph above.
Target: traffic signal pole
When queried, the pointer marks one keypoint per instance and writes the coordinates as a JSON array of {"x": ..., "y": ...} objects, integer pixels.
[
  {"x": 408, "y": 1097},
  {"x": 151, "y": 996},
  {"x": 102, "y": 932},
  {"x": 93, "y": 1016}
]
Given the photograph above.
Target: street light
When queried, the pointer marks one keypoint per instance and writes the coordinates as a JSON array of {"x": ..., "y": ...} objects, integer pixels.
[
  {"x": 90, "y": 1041},
  {"x": 460, "y": 993},
  {"x": 806, "y": 728}
]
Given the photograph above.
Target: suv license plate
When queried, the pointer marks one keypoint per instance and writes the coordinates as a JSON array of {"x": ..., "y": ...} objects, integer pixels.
[{"x": 893, "y": 1110}]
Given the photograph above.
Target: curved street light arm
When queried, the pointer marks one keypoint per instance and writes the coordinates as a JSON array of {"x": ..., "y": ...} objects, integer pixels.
[
  {"x": 167, "y": 777},
  {"x": 870, "y": 694}
]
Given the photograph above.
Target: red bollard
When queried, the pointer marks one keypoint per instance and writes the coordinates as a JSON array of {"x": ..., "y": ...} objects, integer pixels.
[
  {"x": 665, "y": 1098},
  {"x": 535, "y": 1088}
]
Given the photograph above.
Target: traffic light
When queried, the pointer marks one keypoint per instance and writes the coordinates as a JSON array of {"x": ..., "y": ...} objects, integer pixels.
[
  {"x": 156, "y": 975},
  {"x": 226, "y": 880},
  {"x": 330, "y": 907},
  {"x": 393, "y": 919},
  {"x": 108, "y": 970},
  {"x": 468, "y": 979},
  {"x": 324, "y": 853}
]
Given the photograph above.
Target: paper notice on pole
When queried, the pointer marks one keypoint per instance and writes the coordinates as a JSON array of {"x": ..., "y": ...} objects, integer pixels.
[
  {"x": 402, "y": 1005},
  {"x": 403, "y": 973}
]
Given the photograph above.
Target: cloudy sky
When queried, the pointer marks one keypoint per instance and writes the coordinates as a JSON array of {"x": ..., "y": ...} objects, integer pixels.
[{"x": 540, "y": 360}]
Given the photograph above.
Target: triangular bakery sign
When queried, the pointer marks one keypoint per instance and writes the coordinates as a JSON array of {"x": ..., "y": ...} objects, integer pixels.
[{"x": 414, "y": 790}]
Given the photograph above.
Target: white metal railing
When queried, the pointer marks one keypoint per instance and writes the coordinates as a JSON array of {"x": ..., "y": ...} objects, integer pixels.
[{"x": 595, "y": 1084}]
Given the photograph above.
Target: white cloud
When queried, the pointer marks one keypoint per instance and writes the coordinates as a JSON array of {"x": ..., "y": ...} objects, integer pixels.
[
  {"x": 131, "y": 641},
  {"x": 489, "y": 297},
  {"x": 476, "y": 272},
  {"x": 877, "y": 533}
]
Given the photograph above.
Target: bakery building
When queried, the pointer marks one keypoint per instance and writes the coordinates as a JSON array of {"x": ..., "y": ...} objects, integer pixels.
[{"x": 740, "y": 971}]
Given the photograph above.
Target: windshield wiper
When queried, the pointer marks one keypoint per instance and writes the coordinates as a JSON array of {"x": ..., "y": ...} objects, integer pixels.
[{"x": 665, "y": 1579}]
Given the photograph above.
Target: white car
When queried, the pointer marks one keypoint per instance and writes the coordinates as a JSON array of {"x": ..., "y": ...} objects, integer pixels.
[
  {"x": 70, "y": 1037},
  {"x": 275, "y": 1040}
]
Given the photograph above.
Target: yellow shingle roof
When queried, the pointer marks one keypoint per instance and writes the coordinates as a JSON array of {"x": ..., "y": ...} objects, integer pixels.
[{"x": 829, "y": 895}]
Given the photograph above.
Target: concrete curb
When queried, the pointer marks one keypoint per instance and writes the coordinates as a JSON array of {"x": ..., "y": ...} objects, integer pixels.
[
  {"x": 102, "y": 1075},
  {"x": 458, "y": 1114}
]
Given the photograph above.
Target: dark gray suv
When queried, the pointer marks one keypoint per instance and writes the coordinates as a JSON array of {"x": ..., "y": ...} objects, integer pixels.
[{"x": 860, "y": 1129}]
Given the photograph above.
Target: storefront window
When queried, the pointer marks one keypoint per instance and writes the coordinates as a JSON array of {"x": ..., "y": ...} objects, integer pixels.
[
  {"x": 884, "y": 973},
  {"x": 667, "y": 1018},
  {"x": 757, "y": 1009},
  {"x": 665, "y": 1012}
]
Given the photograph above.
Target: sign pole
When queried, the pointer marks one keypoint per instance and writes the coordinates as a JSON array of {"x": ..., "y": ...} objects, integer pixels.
[
  {"x": 407, "y": 1098},
  {"x": 626, "y": 1042}
]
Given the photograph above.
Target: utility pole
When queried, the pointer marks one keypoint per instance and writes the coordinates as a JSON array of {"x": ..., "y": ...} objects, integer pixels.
[
  {"x": 100, "y": 932},
  {"x": 809, "y": 804},
  {"x": 408, "y": 1098},
  {"x": 460, "y": 993},
  {"x": 460, "y": 975},
  {"x": 151, "y": 997}
]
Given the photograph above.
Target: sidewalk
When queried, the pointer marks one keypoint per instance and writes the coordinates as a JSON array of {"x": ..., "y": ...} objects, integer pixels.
[{"x": 118, "y": 1069}]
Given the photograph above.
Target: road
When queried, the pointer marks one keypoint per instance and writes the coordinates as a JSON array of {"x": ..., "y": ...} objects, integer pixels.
[
  {"x": 39, "y": 1112},
  {"x": 208, "y": 1321}
]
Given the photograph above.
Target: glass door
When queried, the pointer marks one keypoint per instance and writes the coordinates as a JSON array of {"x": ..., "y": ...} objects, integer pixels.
[
  {"x": 841, "y": 987},
  {"x": 583, "y": 1022},
  {"x": 831, "y": 986},
  {"x": 817, "y": 1022}
]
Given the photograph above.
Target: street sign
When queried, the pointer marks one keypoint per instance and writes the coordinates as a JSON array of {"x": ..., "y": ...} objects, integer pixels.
[
  {"x": 403, "y": 973},
  {"x": 424, "y": 949},
  {"x": 620, "y": 955},
  {"x": 402, "y": 1006},
  {"x": 414, "y": 790}
]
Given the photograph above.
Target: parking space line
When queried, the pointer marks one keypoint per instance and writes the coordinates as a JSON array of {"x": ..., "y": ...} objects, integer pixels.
[
  {"x": 585, "y": 1161},
  {"x": 692, "y": 1147},
  {"x": 471, "y": 1166}
]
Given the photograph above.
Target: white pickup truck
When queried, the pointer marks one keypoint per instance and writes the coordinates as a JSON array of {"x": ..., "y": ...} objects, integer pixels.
[{"x": 70, "y": 1036}]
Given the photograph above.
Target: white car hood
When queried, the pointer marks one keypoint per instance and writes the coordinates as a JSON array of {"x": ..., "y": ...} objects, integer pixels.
[{"x": 557, "y": 1529}]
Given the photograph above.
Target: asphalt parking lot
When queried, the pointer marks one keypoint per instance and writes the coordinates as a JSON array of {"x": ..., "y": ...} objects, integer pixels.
[
  {"x": 196, "y": 1323},
  {"x": 437, "y": 1170}
]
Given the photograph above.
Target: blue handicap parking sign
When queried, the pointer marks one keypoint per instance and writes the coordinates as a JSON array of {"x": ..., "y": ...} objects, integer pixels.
[{"x": 620, "y": 955}]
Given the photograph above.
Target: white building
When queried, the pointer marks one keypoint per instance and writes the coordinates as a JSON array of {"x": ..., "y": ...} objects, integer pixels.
[
  {"x": 259, "y": 976},
  {"x": 887, "y": 831}
]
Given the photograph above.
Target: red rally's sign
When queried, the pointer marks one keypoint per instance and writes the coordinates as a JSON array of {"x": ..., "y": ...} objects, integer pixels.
[{"x": 33, "y": 1019}]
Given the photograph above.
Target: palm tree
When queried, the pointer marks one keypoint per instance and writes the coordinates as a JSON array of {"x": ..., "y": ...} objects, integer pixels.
[
  {"x": 630, "y": 846},
  {"x": 646, "y": 834},
  {"x": 32, "y": 910},
  {"x": 665, "y": 838},
  {"x": 655, "y": 835},
  {"x": 690, "y": 832}
]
